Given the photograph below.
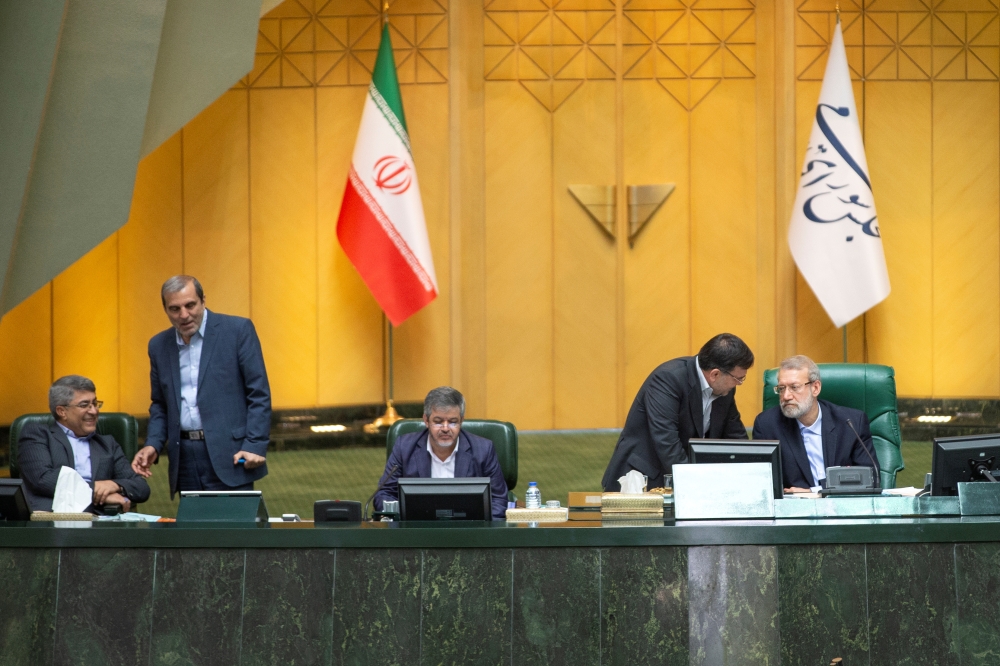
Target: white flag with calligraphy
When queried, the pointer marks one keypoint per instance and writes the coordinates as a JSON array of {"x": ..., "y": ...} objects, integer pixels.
[{"x": 834, "y": 234}]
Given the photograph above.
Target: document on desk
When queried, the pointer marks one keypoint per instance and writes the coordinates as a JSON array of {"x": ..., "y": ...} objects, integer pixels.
[
  {"x": 72, "y": 494},
  {"x": 903, "y": 492}
]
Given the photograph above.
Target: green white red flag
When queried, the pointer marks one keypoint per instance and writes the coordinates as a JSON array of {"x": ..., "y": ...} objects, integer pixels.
[{"x": 381, "y": 225}]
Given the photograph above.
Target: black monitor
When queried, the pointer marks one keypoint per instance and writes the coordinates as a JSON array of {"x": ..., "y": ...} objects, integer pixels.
[
  {"x": 13, "y": 505},
  {"x": 740, "y": 451},
  {"x": 445, "y": 499},
  {"x": 957, "y": 459}
]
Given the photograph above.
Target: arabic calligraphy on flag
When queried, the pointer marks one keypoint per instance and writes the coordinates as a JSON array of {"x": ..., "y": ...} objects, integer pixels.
[{"x": 834, "y": 234}]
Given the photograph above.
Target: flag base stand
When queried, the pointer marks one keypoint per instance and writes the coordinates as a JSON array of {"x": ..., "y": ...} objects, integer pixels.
[{"x": 387, "y": 419}]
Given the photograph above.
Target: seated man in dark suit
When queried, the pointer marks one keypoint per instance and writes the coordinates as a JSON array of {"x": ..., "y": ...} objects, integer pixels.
[
  {"x": 814, "y": 434},
  {"x": 688, "y": 397},
  {"x": 73, "y": 441},
  {"x": 442, "y": 450}
]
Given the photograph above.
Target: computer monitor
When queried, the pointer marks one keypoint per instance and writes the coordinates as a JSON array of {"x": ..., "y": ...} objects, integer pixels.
[
  {"x": 957, "y": 459},
  {"x": 740, "y": 451},
  {"x": 445, "y": 499},
  {"x": 13, "y": 505}
]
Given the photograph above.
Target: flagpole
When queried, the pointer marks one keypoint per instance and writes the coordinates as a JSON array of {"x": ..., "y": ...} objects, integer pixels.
[{"x": 390, "y": 415}]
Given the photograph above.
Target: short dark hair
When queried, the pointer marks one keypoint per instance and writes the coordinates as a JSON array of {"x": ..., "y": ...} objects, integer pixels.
[
  {"x": 444, "y": 397},
  {"x": 725, "y": 352},
  {"x": 64, "y": 388},
  {"x": 179, "y": 282}
]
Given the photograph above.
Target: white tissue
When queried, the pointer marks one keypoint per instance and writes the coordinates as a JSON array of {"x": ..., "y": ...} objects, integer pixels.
[
  {"x": 72, "y": 495},
  {"x": 633, "y": 482}
]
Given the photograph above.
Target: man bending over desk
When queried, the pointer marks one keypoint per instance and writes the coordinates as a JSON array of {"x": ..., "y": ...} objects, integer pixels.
[
  {"x": 442, "y": 450},
  {"x": 814, "y": 434}
]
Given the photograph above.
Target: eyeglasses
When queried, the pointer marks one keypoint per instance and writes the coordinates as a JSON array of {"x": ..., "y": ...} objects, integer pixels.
[
  {"x": 794, "y": 388},
  {"x": 97, "y": 404},
  {"x": 739, "y": 380},
  {"x": 446, "y": 425}
]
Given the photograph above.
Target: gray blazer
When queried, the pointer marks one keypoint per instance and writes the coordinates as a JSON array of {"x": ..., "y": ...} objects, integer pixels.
[
  {"x": 234, "y": 397},
  {"x": 42, "y": 450}
]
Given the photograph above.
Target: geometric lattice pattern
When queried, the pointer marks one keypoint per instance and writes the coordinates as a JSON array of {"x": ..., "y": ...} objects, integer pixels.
[
  {"x": 306, "y": 43},
  {"x": 551, "y": 47},
  {"x": 902, "y": 40},
  {"x": 690, "y": 47}
]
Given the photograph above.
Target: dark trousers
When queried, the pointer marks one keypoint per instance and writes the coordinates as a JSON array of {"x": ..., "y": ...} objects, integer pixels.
[{"x": 196, "y": 471}]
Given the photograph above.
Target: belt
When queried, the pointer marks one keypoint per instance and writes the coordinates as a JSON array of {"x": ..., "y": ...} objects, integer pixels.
[{"x": 193, "y": 435}]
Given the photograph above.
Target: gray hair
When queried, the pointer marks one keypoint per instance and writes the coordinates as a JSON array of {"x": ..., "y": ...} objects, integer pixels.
[
  {"x": 63, "y": 389},
  {"x": 177, "y": 283},
  {"x": 801, "y": 362},
  {"x": 444, "y": 397}
]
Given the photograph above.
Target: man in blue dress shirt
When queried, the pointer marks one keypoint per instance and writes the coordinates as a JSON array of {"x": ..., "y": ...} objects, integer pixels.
[
  {"x": 73, "y": 441},
  {"x": 814, "y": 434},
  {"x": 210, "y": 399}
]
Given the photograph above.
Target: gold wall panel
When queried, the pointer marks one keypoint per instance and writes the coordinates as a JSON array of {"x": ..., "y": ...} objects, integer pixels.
[
  {"x": 26, "y": 356},
  {"x": 283, "y": 240},
  {"x": 149, "y": 249},
  {"x": 216, "y": 239},
  {"x": 349, "y": 347},
  {"x": 85, "y": 321},
  {"x": 966, "y": 239}
]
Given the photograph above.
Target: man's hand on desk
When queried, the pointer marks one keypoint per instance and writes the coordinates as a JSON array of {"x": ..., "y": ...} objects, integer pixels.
[
  {"x": 116, "y": 498},
  {"x": 143, "y": 460},
  {"x": 251, "y": 459},
  {"x": 103, "y": 490}
]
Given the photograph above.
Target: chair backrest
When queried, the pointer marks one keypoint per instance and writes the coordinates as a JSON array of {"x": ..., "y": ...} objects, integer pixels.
[
  {"x": 870, "y": 388},
  {"x": 123, "y": 427},
  {"x": 501, "y": 433}
]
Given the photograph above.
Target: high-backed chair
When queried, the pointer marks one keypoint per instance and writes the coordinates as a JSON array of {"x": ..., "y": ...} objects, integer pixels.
[
  {"x": 123, "y": 427},
  {"x": 501, "y": 433},
  {"x": 870, "y": 388}
]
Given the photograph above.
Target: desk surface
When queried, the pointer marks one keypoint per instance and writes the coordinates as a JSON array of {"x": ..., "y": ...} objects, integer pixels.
[{"x": 500, "y": 534}]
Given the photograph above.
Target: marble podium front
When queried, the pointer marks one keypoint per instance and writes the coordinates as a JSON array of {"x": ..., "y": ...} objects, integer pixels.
[{"x": 878, "y": 591}]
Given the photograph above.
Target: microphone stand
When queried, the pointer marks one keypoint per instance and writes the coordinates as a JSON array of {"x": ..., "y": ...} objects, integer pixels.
[
  {"x": 875, "y": 467},
  {"x": 381, "y": 485}
]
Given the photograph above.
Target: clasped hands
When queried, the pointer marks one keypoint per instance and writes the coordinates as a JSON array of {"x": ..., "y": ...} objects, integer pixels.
[{"x": 106, "y": 492}]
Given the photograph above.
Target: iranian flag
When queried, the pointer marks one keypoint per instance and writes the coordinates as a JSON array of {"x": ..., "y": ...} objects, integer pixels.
[{"x": 381, "y": 225}]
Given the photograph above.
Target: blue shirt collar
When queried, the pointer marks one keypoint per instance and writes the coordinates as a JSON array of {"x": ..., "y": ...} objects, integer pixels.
[
  {"x": 70, "y": 433},
  {"x": 817, "y": 426},
  {"x": 201, "y": 330}
]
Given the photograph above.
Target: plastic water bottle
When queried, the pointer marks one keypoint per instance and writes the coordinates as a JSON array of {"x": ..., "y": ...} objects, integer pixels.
[{"x": 533, "y": 496}]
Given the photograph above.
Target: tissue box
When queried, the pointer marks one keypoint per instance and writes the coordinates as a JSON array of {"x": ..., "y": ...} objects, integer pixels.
[
  {"x": 543, "y": 515},
  {"x": 632, "y": 503}
]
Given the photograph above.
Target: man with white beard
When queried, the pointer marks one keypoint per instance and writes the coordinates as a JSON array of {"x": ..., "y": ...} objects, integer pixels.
[{"x": 814, "y": 434}]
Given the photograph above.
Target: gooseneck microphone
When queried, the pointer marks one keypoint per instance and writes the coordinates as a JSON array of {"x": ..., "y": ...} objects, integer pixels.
[
  {"x": 381, "y": 485},
  {"x": 875, "y": 468}
]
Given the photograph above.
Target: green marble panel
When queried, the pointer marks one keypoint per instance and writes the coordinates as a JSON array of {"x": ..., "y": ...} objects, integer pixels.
[
  {"x": 977, "y": 568},
  {"x": 466, "y": 607},
  {"x": 197, "y": 607},
  {"x": 911, "y": 604},
  {"x": 557, "y": 599},
  {"x": 288, "y": 608},
  {"x": 104, "y": 608},
  {"x": 822, "y": 596},
  {"x": 376, "y": 607},
  {"x": 733, "y": 601},
  {"x": 644, "y": 601},
  {"x": 28, "y": 578}
]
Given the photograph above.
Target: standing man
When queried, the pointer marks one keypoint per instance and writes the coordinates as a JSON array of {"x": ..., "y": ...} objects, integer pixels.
[
  {"x": 688, "y": 397},
  {"x": 813, "y": 434},
  {"x": 211, "y": 403}
]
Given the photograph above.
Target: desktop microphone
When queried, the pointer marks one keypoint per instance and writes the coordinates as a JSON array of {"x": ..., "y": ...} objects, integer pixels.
[
  {"x": 380, "y": 487},
  {"x": 875, "y": 468}
]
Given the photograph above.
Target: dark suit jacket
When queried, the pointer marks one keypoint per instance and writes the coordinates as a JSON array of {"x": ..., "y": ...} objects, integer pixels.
[
  {"x": 666, "y": 414},
  {"x": 840, "y": 446},
  {"x": 234, "y": 398},
  {"x": 475, "y": 457},
  {"x": 42, "y": 450}
]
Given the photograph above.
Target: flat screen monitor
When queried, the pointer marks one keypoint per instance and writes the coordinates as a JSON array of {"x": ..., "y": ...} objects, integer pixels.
[
  {"x": 13, "y": 505},
  {"x": 740, "y": 451},
  {"x": 445, "y": 499},
  {"x": 957, "y": 459}
]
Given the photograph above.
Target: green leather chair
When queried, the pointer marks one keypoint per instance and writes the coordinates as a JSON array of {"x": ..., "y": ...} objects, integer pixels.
[
  {"x": 123, "y": 427},
  {"x": 502, "y": 434},
  {"x": 870, "y": 388}
]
